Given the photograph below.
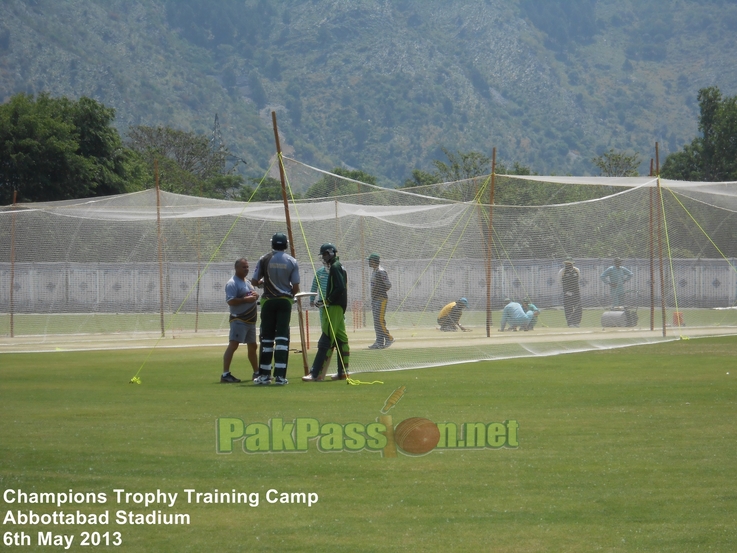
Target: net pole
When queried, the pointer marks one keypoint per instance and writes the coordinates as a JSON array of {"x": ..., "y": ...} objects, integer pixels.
[
  {"x": 12, "y": 265},
  {"x": 363, "y": 273},
  {"x": 161, "y": 256},
  {"x": 303, "y": 340},
  {"x": 660, "y": 236},
  {"x": 197, "y": 295},
  {"x": 652, "y": 257},
  {"x": 489, "y": 242},
  {"x": 337, "y": 227}
]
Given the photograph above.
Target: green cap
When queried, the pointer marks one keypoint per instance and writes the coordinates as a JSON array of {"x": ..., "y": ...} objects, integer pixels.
[{"x": 373, "y": 257}]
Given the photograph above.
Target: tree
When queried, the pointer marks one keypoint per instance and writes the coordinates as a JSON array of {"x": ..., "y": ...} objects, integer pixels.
[
  {"x": 617, "y": 164},
  {"x": 331, "y": 186},
  {"x": 713, "y": 156},
  {"x": 258, "y": 94},
  {"x": 187, "y": 162},
  {"x": 56, "y": 149},
  {"x": 462, "y": 165},
  {"x": 267, "y": 189},
  {"x": 420, "y": 178}
]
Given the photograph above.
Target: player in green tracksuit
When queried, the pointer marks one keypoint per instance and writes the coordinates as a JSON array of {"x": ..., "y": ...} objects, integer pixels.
[{"x": 334, "y": 302}]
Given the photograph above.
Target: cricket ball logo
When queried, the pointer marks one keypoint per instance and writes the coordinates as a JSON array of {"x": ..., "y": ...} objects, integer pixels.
[
  {"x": 419, "y": 436},
  {"x": 413, "y": 436}
]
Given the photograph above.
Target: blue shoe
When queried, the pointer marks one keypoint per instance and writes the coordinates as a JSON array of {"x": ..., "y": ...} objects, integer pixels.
[{"x": 281, "y": 381}]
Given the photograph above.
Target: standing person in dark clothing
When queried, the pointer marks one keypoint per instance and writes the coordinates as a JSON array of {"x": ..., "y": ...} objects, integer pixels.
[
  {"x": 379, "y": 286},
  {"x": 278, "y": 273},
  {"x": 569, "y": 277}
]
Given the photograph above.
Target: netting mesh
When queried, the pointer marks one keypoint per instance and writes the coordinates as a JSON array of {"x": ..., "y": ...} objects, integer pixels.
[{"x": 119, "y": 266}]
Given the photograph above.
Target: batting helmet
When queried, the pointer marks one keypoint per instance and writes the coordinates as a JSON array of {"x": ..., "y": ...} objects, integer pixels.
[
  {"x": 279, "y": 241},
  {"x": 328, "y": 247}
]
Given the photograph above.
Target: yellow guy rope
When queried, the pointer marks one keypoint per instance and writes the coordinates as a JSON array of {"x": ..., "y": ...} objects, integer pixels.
[{"x": 136, "y": 379}]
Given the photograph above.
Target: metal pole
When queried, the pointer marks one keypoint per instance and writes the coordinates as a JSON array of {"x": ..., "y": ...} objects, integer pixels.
[
  {"x": 652, "y": 257},
  {"x": 199, "y": 275},
  {"x": 660, "y": 236},
  {"x": 302, "y": 337},
  {"x": 489, "y": 242},
  {"x": 363, "y": 273},
  {"x": 158, "y": 232},
  {"x": 12, "y": 265}
]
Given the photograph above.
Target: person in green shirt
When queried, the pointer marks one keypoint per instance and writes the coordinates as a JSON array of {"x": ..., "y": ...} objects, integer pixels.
[{"x": 333, "y": 302}]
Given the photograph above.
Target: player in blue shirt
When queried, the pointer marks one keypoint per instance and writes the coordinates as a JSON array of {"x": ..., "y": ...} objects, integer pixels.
[
  {"x": 615, "y": 276},
  {"x": 241, "y": 299}
]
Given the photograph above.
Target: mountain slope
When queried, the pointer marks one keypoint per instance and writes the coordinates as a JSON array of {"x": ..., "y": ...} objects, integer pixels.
[{"x": 382, "y": 86}]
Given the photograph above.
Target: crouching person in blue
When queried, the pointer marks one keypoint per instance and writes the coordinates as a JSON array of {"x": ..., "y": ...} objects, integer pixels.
[
  {"x": 514, "y": 316},
  {"x": 532, "y": 313}
]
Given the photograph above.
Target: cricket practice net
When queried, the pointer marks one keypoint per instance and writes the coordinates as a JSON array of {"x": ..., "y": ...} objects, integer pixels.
[{"x": 141, "y": 266}]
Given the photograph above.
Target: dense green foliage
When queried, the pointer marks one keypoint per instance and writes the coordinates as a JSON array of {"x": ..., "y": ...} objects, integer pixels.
[
  {"x": 713, "y": 155},
  {"x": 187, "y": 163},
  {"x": 57, "y": 149},
  {"x": 617, "y": 164},
  {"x": 563, "y": 21}
]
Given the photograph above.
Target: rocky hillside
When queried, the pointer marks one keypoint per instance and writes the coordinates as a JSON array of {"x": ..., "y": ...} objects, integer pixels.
[{"x": 381, "y": 86}]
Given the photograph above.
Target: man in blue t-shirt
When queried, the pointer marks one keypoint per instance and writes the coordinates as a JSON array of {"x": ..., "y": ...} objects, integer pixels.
[
  {"x": 241, "y": 299},
  {"x": 615, "y": 276}
]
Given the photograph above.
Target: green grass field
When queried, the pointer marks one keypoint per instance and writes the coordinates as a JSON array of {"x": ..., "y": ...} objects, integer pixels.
[
  {"x": 624, "y": 450},
  {"x": 25, "y": 324}
]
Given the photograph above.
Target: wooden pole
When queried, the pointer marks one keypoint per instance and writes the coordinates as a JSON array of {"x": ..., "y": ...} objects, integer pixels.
[
  {"x": 660, "y": 236},
  {"x": 303, "y": 340},
  {"x": 161, "y": 255},
  {"x": 489, "y": 242},
  {"x": 12, "y": 265},
  {"x": 307, "y": 328},
  {"x": 652, "y": 256}
]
